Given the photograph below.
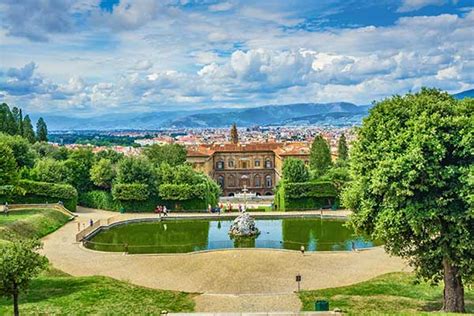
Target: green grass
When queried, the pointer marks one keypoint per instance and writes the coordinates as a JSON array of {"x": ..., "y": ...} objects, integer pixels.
[
  {"x": 393, "y": 293},
  {"x": 56, "y": 293},
  {"x": 31, "y": 223}
]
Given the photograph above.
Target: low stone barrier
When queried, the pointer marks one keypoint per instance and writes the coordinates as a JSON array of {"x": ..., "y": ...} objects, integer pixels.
[{"x": 57, "y": 206}]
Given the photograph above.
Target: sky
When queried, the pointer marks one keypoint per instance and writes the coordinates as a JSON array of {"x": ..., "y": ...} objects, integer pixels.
[{"x": 93, "y": 57}]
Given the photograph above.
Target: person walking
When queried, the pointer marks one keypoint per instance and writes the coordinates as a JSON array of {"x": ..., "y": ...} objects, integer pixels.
[
  {"x": 209, "y": 208},
  {"x": 5, "y": 209},
  {"x": 165, "y": 210}
]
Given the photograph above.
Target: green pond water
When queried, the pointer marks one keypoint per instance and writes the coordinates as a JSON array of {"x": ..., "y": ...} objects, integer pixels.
[{"x": 178, "y": 236}]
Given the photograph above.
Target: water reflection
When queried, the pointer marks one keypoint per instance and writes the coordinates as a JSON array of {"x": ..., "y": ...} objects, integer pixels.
[{"x": 187, "y": 236}]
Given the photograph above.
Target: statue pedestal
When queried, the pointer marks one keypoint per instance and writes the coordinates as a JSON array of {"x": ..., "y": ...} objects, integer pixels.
[{"x": 244, "y": 226}]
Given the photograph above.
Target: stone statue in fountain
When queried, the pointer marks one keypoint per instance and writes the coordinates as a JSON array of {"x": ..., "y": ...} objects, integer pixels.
[{"x": 244, "y": 226}]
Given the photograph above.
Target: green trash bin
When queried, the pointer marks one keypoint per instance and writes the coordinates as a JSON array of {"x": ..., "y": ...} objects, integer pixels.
[{"x": 321, "y": 306}]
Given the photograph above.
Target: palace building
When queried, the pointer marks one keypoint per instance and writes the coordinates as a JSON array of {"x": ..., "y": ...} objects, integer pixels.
[{"x": 254, "y": 166}]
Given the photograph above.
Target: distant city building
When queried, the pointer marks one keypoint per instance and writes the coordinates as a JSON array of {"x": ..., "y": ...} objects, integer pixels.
[{"x": 254, "y": 166}]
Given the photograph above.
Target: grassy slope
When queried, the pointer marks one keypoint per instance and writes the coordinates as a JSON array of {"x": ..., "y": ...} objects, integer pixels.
[
  {"x": 31, "y": 223},
  {"x": 393, "y": 293},
  {"x": 57, "y": 293}
]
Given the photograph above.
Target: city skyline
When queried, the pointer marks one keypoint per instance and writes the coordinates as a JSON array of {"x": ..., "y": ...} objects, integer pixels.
[{"x": 93, "y": 57}]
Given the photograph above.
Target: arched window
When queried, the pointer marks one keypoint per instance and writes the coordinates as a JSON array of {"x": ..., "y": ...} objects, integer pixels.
[
  {"x": 220, "y": 164},
  {"x": 257, "y": 163},
  {"x": 220, "y": 180},
  {"x": 268, "y": 181},
  {"x": 257, "y": 181},
  {"x": 230, "y": 163},
  {"x": 268, "y": 163}
]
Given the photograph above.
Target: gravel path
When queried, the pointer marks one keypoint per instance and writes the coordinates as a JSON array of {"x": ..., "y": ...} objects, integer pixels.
[{"x": 224, "y": 277}]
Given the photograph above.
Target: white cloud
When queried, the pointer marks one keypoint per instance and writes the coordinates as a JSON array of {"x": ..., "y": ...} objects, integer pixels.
[
  {"x": 413, "y": 5},
  {"x": 223, "y": 6}
]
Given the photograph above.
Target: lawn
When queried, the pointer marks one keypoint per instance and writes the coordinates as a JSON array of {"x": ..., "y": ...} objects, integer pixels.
[
  {"x": 393, "y": 293},
  {"x": 56, "y": 293},
  {"x": 31, "y": 223}
]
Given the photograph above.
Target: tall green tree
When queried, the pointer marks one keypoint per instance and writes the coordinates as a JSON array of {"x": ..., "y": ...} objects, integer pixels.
[
  {"x": 342, "y": 150},
  {"x": 22, "y": 151},
  {"x": 8, "y": 166},
  {"x": 413, "y": 182},
  {"x": 17, "y": 116},
  {"x": 19, "y": 263},
  {"x": 50, "y": 170},
  {"x": 41, "y": 130},
  {"x": 7, "y": 120},
  {"x": 79, "y": 165},
  {"x": 103, "y": 173},
  {"x": 27, "y": 130},
  {"x": 135, "y": 170},
  {"x": 172, "y": 154},
  {"x": 320, "y": 156},
  {"x": 294, "y": 170}
]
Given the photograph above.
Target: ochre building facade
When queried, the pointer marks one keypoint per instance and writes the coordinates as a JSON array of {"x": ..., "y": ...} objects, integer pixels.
[{"x": 235, "y": 166}]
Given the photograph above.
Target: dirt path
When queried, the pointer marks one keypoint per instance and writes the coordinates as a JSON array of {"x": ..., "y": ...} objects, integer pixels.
[{"x": 224, "y": 277}]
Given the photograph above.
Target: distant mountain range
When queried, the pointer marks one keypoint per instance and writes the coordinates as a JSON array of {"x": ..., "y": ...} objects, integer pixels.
[{"x": 301, "y": 114}]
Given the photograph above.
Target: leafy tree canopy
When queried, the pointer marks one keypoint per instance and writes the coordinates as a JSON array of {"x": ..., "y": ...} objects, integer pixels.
[
  {"x": 294, "y": 170},
  {"x": 172, "y": 154},
  {"x": 103, "y": 173},
  {"x": 8, "y": 166},
  {"x": 413, "y": 178},
  {"x": 320, "y": 156},
  {"x": 24, "y": 155}
]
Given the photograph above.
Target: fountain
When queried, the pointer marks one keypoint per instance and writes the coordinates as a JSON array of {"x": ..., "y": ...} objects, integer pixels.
[{"x": 243, "y": 226}]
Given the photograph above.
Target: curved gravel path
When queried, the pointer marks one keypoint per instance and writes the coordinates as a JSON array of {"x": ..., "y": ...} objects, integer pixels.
[{"x": 229, "y": 279}]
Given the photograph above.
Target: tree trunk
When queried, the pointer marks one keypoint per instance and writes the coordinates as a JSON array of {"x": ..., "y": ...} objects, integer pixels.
[
  {"x": 453, "y": 289},
  {"x": 16, "y": 311}
]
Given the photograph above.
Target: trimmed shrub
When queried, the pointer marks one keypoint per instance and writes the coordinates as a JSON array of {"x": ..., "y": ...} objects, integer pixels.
[
  {"x": 99, "y": 199},
  {"x": 130, "y": 192},
  {"x": 310, "y": 189},
  {"x": 31, "y": 192},
  {"x": 305, "y": 195}
]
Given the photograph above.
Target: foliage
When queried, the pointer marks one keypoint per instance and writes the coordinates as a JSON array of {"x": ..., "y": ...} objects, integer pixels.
[
  {"x": 391, "y": 294},
  {"x": 130, "y": 191},
  {"x": 320, "y": 156},
  {"x": 310, "y": 189},
  {"x": 19, "y": 263},
  {"x": 56, "y": 294},
  {"x": 27, "y": 130},
  {"x": 51, "y": 151},
  {"x": 170, "y": 191},
  {"x": 50, "y": 170},
  {"x": 103, "y": 173},
  {"x": 31, "y": 223},
  {"x": 8, "y": 166},
  {"x": 41, "y": 130},
  {"x": 339, "y": 175},
  {"x": 172, "y": 154},
  {"x": 24, "y": 155},
  {"x": 412, "y": 185},
  {"x": 342, "y": 150},
  {"x": 294, "y": 170},
  {"x": 7, "y": 120},
  {"x": 79, "y": 164},
  {"x": 135, "y": 170},
  {"x": 109, "y": 154}
]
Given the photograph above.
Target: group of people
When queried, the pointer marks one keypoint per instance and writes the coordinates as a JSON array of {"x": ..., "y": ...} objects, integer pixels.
[
  {"x": 227, "y": 208},
  {"x": 161, "y": 209}
]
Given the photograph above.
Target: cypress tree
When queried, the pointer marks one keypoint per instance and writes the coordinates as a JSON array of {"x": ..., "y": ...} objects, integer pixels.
[
  {"x": 342, "y": 150},
  {"x": 7, "y": 121},
  {"x": 27, "y": 128},
  {"x": 320, "y": 156},
  {"x": 41, "y": 130}
]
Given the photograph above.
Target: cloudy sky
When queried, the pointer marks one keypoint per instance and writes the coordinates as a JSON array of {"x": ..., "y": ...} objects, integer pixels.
[{"x": 89, "y": 57}]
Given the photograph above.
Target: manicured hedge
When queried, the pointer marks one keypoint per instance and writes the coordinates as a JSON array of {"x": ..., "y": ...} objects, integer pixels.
[
  {"x": 305, "y": 195},
  {"x": 104, "y": 200},
  {"x": 41, "y": 192},
  {"x": 130, "y": 192}
]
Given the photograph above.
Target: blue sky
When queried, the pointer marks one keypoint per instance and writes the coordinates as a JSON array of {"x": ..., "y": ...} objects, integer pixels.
[{"x": 89, "y": 57}]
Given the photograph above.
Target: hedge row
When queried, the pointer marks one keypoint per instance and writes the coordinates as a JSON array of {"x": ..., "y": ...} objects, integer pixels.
[
  {"x": 32, "y": 192},
  {"x": 105, "y": 200},
  {"x": 305, "y": 195},
  {"x": 130, "y": 192}
]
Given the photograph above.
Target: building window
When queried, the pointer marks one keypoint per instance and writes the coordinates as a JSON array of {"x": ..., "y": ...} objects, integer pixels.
[
  {"x": 244, "y": 165},
  {"x": 268, "y": 181},
  {"x": 268, "y": 163},
  {"x": 257, "y": 163},
  {"x": 257, "y": 181},
  {"x": 231, "y": 163},
  {"x": 231, "y": 181},
  {"x": 220, "y": 164},
  {"x": 220, "y": 180}
]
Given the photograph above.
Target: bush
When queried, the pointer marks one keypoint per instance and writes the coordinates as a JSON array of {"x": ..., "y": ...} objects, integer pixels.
[
  {"x": 130, "y": 192},
  {"x": 99, "y": 199},
  {"x": 305, "y": 195},
  {"x": 31, "y": 192},
  {"x": 179, "y": 192},
  {"x": 310, "y": 189}
]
